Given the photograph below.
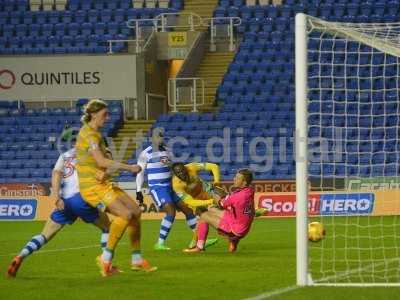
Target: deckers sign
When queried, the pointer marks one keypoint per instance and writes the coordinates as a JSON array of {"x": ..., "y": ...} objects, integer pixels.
[{"x": 266, "y": 186}]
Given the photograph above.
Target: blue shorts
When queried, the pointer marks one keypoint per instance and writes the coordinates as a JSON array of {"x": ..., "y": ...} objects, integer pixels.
[
  {"x": 162, "y": 195},
  {"x": 75, "y": 207}
]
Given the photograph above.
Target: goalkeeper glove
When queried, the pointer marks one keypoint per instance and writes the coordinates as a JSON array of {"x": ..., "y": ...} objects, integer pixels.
[{"x": 261, "y": 212}]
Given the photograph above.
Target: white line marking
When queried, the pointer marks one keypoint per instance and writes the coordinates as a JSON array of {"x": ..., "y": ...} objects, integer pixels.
[
  {"x": 273, "y": 293},
  {"x": 60, "y": 250},
  {"x": 287, "y": 289}
]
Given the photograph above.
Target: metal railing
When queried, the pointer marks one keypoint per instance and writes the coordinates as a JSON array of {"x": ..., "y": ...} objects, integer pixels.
[
  {"x": 140, "y": 40},
  {"x": 191, "y": 21},
  {"x": 162, "y": 21},
  {"x": 185, "y": 93},
  {"x": 224, "y": 22}
]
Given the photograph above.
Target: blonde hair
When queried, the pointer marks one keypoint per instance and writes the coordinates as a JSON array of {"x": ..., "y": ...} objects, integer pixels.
[{"x": 93, "y": 106}]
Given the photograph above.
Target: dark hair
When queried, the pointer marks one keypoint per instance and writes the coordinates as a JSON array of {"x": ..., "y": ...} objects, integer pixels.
[
  {"x": 247, "y": 174},
  {"x": 93, "y": 106},
  {"x": 177, "y": 164}
]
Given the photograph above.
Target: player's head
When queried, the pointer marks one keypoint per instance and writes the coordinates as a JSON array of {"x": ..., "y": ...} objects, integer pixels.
[
  {"x": 180, "y": 171},
  {"x": 95, "y": 111},
  {"x": 68, "y": 136},
  {"x": 157, "y": 136},
  {"x": 243, "y": 178}
]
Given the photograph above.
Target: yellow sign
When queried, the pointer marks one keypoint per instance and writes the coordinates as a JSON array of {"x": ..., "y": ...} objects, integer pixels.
[{"x": 177, "y": 39}]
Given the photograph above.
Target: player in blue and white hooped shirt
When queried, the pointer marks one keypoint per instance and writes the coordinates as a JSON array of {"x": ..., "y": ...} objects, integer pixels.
[
  {"x": 155, "y": 161},
  {"x": 69, "y": 206}
]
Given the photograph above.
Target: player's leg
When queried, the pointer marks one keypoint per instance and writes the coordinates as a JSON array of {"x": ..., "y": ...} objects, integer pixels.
[
  {"x": 211, "y": 218},
  {"x": 103, "y": 223},
  {"x": 223, "y": 223},
  {"x": 53, "y": 225},
  {"x": 163, "y": 198},
  {"x": 90, "y": 215},
  {"x": 191, "y": 219},
  {"x": 215, "y": 211},
  {"x": 165, "y": 227},
  {"x": 117, "y": 228},
  {"x": 134, "y": 234},
  {"x": 206, "y": 218}
]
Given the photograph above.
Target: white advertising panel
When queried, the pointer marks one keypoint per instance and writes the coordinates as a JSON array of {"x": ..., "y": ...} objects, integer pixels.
[{"x": 68, "y": 76}]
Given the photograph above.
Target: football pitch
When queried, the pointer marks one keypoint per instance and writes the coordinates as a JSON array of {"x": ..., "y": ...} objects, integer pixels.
[{"x": 263, "y": 268}]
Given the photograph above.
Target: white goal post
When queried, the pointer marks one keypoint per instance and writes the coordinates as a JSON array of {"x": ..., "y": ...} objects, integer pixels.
[{"x": 347, "y": 144}]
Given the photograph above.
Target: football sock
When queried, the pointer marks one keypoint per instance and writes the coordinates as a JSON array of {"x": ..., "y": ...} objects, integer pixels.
[
  {"x": 33, "y": 245},
  {"x": 104, "y": 239},
  {"x": 166, "y": 225},
  {"x": 136, "y": 257},
  {"x": 202, "y": 234},
  {"x": 117, "y": 229},
  {"x": 133, "y": 230},
  {"x": 191, "y": 220}
]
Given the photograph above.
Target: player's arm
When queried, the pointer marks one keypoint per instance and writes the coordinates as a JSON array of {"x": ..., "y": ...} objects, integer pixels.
[
  {"x": 210, "y": 167},
  {"x": 56, "y": 177},
  {"x": 106, "y": 163},
  {"x": 190, "y": 201},
  {"x": 214, "y": 169},
  {"x": 142, "y": 163},
  {"x": 227, "y": 201},
  {"x": 102, "y": 175},
  {"x": 179, "y": 189}
]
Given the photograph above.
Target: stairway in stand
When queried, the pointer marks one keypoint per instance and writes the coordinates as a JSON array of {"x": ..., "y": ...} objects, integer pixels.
[
  {"x": 129, "y": 137},
  {"x": 203, "y": 8},
  {"x": 212, "y": 69}
]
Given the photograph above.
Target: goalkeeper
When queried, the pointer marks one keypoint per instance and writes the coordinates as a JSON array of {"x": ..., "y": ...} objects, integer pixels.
[{"x": 235, "y": 216}]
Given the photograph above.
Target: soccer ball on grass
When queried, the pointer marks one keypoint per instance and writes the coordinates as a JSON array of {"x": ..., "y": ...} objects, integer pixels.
[{"x": 316, "y": 231}]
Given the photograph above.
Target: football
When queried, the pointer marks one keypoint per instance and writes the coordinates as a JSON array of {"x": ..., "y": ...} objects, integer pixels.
[{"x": 316, "y": 231}]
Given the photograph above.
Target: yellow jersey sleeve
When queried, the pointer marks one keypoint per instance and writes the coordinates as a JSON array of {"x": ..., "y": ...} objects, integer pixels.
[
  {"x": 190, "y": 201},
  {"x": 194, "y": 168},
  {"x": 179, "y": 187}
]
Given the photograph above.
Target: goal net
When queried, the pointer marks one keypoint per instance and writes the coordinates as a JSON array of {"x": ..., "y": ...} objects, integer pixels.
[{"x": 347, "y": 129}]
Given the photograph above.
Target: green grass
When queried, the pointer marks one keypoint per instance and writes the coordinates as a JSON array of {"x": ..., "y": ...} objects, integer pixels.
[{"x": 265, "y": 261}]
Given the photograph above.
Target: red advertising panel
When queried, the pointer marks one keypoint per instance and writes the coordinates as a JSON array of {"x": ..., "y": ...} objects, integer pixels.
[{"x": 284, "y": 205}]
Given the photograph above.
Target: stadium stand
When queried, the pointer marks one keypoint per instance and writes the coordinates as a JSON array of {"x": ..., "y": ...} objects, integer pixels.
[
  {"x": 83, "y": 27},
  {"x": 29, "y": 145},
  {"x": 258, "y": 89}
]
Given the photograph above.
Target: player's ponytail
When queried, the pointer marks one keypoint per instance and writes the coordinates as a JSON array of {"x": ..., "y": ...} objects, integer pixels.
[{"x": 93, "y": 106}]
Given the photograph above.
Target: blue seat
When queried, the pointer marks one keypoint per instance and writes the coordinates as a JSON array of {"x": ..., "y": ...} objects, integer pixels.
[
  {"x": 79, "y": 16},
  {"x": 66, "y": 17},
  {"x": 7, "y": 173},
  {"x": 220, "y": 12},
  {"x": 86, "y": 28},
  {"x": 22, "y": 155},
  {"x": 86, "y": 5},
  {"x": 54, "y": 16},
  {"x": 93, "y": 15},
  {"x": 21, "y": 173},
  {"x": 105, "y": 15},
  {"x": 246, "y": 13},
  {"x": 38, "y": 173}
]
